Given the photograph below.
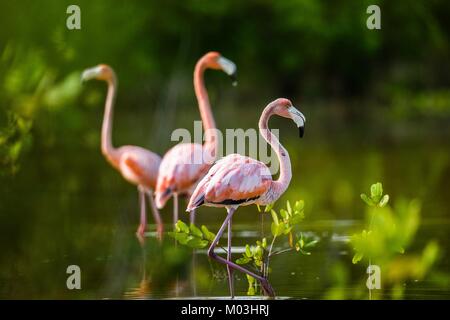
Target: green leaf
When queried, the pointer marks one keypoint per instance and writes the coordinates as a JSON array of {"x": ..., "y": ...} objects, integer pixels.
[
  {"x": 297, "y": 218},
  {"x": 208, "y": 235},
  {"x": 376, "y": 192},
  {"x": 367, "y": 200},
  {"x": 248, "y": 252},
  {"x": 182, "y": 237},
  {"x": 288, "y": 206},
  {"x": 197, "y": 243},
  {"x": 357, "y": 257},
  {"x": 181, "y": 226},
  {"x": 284, "y": 214},
  {"x": 299, "y": 205},
  {"x": 264, "y": 243},
  {"x": 243, "y": 260},
  {"x": 278, "y": 230},
  {"x": 384, "y": 200},
  {"x": 195, "y": 231},
  {"x": 301, "y": 242},
  {"x": 287, "y": 230},
  {"x": 259, "y": 252},
  {"x": 269, "y": 207},
  {"x": 274, "y": 217},
  {"x": 311, "y": 243}
]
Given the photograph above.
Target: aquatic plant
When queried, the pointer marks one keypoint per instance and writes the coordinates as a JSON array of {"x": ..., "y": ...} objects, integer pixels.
[
  {"x": 389, "y": 232},
  {"x": 285, "y": 225}
]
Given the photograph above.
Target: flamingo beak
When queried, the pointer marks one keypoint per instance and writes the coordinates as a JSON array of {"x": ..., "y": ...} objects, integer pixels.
[
  {"x": 234, "y": 79},
  {"x": 90, "y": 73},
  {"x": 301, "y": 131},
  {"x": 229, "y": 68},
  {"x": 299, "y": 120}
]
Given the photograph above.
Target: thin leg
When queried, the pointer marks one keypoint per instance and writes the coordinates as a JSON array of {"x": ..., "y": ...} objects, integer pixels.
[
  {"x": 143, "y": 215},
  {"x": 264, "y": 283},
  {"x": 229, "y": 269},
  {"x": 194, "y": 257},
  {"x": 156, "y": 216},
  {"x": 192, "y": 216},
  {"x": 175, "y": 208},
  {"x": 175, "y": 220}
]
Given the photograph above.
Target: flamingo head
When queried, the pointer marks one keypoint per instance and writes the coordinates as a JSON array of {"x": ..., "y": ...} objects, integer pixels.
[
  {"x": 100, "y": 72},
  {"x": 214, "y": 60},
  {"x": 284, "y": 108}
]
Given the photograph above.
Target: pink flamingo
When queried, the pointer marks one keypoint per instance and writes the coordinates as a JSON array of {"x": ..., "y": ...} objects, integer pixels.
[
  {"x": 237, "y": 180},
  {"x": 184, "y": 165},
  {"x": 137, "y": 165}
]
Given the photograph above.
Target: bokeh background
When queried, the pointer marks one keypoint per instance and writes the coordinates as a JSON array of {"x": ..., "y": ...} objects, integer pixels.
[{"x": 377, "y": 104}]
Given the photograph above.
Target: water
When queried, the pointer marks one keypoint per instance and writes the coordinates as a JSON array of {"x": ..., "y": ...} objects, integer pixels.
[
  {"x": 68, "y": 206},
  {"x": 115, "y": 265}
]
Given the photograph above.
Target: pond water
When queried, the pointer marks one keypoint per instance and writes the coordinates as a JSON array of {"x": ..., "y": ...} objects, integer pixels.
[{"x": 66, "y": 206}]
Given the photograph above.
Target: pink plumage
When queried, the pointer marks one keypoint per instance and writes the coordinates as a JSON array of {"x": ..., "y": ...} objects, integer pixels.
[
  {"x": 234, "y": 179},
  {"x": 237, "y": 180},
  {"x": 185, "y": 164}
]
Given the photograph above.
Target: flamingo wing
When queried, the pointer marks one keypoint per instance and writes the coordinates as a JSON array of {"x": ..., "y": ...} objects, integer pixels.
[
  {"x": 181, "y": 168},
  {"x": 139, "y": 166},
  {"x": 232, "y": 180}
]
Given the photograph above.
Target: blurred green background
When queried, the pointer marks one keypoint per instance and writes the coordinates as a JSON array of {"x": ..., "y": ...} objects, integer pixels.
[{"x": 377, "y": 104}]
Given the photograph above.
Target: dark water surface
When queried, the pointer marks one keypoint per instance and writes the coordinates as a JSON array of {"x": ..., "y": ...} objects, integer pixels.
[{"x": 49, "y": 222}]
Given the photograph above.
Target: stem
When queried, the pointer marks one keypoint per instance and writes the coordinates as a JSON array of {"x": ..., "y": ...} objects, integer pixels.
[
  {"x": 280, "y": 251},
  {"x": 266, "y": 271}
]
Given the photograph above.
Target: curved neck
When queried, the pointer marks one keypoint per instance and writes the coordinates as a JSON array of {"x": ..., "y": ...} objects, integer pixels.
[
  {"x": 281, "y": 184},
  {"x": 107, "y": 148},
  {"x": 203, "y": 104}
]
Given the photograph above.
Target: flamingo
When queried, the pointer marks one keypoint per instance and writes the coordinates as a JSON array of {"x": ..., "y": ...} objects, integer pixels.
[
  {"x": 137, "y": 165},
  {"x": 179, "y": 171},
  {"x": 236, "y": 181}
]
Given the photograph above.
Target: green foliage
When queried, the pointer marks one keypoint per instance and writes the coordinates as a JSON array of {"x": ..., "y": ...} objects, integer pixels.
[
  {"x": 376, "y": 198},
  {"x": 304, "y": 243},
  {"x": 14, "y": 137},
  {"x": 389, "y": 232},
  {"x": 254, "y": 254},
  {"x": 284, "y": 224},
  {"x": 252, "y": 286},
  {"x": 191, "y": 235}
]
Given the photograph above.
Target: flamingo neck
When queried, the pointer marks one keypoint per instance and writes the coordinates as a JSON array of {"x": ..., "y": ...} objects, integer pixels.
[
  {"x": 204, "y": 106},
  {"x": 280, "y": 185},
  {"x": 107, "y": 148}
]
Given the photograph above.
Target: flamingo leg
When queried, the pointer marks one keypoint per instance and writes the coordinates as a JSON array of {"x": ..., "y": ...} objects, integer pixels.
[
  {"x": 143, "y": 215},
  {"x": 264, "y": 283},
  {"x": 175, "y": 209},
  {"x": 194, "y": 256},
  {"x": 192, "y": 216},
  {"x": 156, "y": 216},
  {"x": 229, "y": 269}
]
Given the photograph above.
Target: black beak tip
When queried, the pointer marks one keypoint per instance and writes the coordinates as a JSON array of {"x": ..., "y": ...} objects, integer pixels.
[
  {"x": 301, "y": 131},
  {"x": 233, "y": 79}
]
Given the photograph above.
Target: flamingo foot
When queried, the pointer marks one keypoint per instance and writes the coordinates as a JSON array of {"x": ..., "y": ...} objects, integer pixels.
[
  {"x": 267, "y": 288},
  {"x": 141, "y": 230},
  {"x": 160, "y": 232}
]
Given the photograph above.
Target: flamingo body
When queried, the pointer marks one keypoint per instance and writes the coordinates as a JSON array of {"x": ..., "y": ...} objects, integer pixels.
[
  {"x": 186, "y": 163},
  {"x": 139, "y": 166},
  {"x": 234, "y": 180},
  {"x": 237, "y": 180},
  {"x": 180, "y": 170}
]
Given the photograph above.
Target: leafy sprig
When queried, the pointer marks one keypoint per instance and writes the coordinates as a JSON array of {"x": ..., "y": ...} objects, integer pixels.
[
  {"x": 192, "y": 236},
  {"x": 376, "y": 198}
]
